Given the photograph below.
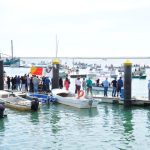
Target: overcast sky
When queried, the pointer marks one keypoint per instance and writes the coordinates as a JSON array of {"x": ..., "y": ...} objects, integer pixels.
[{"x": 83, "y": 27}]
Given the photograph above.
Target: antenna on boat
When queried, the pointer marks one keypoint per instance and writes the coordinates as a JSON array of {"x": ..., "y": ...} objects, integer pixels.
[
  {"x": 12, "y": 49},
  {"x": 56, "y": 46}
]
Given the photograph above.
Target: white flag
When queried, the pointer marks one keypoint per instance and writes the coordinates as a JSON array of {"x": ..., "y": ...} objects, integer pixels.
[{"x": 49, "y": 72}]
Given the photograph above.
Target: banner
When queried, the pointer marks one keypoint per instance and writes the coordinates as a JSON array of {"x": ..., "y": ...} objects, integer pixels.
[
  {"x": 37, "y": 71},
  {"x": 49, "y": 72}
]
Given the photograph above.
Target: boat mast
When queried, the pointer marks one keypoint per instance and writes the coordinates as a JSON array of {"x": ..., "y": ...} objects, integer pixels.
[
  {"x": 56, "y": 46},
  {"x": 12, "y": 49}
]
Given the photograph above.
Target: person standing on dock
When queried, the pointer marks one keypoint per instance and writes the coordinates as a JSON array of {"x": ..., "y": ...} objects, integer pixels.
[
  {"x": 8, "y": 82},
  {"x": 60, "y": 83},
  {"x": 119, "y": 86},
  {"x": 149, "y": 90},
  {"x": 78, "y": 86},
  {"x": 35, "y": 83},
  {"x": 106, "y": 85},
  {"x": 67, "y": 83},
  {"x": 97, "y": 82},
  {"x": 114, "y": 85},
  {"x": 84, "y": 84},
  {"x": 47, "y": 83},
  {"x": 89, "y": 86}
]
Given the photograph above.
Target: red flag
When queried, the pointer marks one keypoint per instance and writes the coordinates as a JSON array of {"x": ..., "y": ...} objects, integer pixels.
[{"x": 37, "y": 71}]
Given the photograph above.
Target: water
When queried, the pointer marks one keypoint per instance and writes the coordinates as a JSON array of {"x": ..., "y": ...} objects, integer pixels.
[
  {"x": 60, "y": 127},
  {"x": 63, "y": 127}
]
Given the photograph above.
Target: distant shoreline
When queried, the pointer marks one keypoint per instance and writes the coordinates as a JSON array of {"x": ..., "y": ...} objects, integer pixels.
[{"x": 103, "y": 58}]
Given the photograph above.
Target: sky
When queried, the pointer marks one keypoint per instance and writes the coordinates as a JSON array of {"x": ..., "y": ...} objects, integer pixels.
[{"x": 84, "y": 28}]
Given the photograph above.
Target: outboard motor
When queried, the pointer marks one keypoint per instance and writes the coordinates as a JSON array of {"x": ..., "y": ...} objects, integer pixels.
[
  {"x": 52, "y": 98},
  {"x": 34, "y": 104},
  {"x": 2, "y": 109}
]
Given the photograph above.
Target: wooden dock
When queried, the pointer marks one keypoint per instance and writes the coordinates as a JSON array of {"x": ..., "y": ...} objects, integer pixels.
[{"x": 139, "y": 101}]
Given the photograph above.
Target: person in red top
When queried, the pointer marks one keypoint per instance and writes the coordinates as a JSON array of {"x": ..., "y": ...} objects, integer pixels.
[{"x": 67, "y": 83}]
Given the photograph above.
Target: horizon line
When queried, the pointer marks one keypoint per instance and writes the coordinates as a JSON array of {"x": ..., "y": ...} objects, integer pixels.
[{"x": 67, "y": 57}]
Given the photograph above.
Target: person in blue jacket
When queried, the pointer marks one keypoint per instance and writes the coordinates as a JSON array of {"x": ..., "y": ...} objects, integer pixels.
[{"x": 119, "y": 86}]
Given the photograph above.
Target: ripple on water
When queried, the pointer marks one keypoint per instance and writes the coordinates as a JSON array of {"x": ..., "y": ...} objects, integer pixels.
[{"x": 63, "y": 127}]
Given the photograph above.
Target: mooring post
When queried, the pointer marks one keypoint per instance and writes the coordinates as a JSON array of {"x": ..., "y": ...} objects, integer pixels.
[
  {"x": 127, "y": 82},
  {"x": 1, "y": 75},
  {"x": 149, "y": 90},
  {"x": 55, "y": 78}
]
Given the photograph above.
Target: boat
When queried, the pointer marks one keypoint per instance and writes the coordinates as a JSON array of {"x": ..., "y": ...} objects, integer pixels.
[
  {"x": 19, "y": 103},
  {"x": 143, "y": 76},
  {"x": 11, "y": 62},
  {"x": 67, "y": 98},
  {"x": 43, "y": 98},
  {"x": 139, "y": 73},
  {"x": 100, "y": 88}
]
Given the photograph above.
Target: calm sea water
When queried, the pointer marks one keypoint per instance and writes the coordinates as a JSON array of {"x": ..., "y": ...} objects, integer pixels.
[
  {"x": 60, "y": 127},
  {"x": 66, "y": 128}
]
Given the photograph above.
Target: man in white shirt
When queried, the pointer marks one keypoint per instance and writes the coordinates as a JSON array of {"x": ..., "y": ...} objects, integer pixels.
[{"x": 78, "y": 86}]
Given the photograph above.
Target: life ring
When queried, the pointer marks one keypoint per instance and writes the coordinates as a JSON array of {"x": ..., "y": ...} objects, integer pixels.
[{"x": 81, "y": 93}]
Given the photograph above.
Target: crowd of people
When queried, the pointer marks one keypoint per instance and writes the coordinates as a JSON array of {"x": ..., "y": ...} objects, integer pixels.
[
  {"x": 28, "y": 83},
  {"x": 86, "y": 85},
  {"x": 35, "y": 84},
  {"x": 116, "y": 86}
]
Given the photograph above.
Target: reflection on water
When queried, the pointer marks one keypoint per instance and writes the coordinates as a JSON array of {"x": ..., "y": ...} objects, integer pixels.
[
  {"x": 127, "y": 120},
  {"x": 2, "y": 125},
  {"x": 34, "y": 116},
  {"x": 58, "y": 126},
  {"x": 91, "y": 112},
  {"x": 54, "y": 119}
]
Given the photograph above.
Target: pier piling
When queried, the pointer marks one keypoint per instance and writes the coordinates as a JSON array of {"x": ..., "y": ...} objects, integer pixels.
[
  {"x": 1, "y": 75},
  {"x": 55, "y": 79},
  {"x": 127, "y": 82},
  {"x": 149, "y": 90}
]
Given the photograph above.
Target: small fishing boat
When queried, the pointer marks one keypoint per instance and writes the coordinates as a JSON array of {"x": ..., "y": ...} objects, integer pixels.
[
  {"x": 43, "y": 98},
  {"x": 19, "y": 103},
  {"x": 143, "y": 76},
  {"x": 139, "y": 73},
  {"x": 70, "y": 99}
]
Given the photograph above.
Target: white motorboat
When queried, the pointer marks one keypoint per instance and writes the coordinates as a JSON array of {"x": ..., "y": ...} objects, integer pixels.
[{"x": 70, "y": 99}]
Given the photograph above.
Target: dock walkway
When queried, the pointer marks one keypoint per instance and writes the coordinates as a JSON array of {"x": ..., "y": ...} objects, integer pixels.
[{"x": 135, "y": 101}]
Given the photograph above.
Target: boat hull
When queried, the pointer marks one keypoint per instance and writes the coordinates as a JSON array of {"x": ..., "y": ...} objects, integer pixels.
[
  {"x": 78, "y": 103},
  {"x": 72, "y": 100},
  {"x": 17, "y": 103},
  {"x": 139, "y": 77}
]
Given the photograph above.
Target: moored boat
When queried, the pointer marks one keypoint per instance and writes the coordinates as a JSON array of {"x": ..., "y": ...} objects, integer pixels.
[
  {"x": 139, "y": 73},
  {"x": 19, "y": 103},
  {"x": 70, "y": 99},
  {"x": 43, "y": 98},
  {"x": 139, "y": 76}
]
